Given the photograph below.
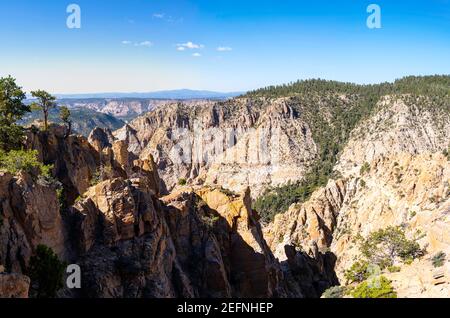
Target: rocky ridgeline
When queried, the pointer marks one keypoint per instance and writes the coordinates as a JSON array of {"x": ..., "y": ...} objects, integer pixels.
[{"x": 129, "y": 240}]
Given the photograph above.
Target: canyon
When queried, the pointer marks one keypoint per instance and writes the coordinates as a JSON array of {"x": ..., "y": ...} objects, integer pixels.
[{"x": 165, "y": 206}]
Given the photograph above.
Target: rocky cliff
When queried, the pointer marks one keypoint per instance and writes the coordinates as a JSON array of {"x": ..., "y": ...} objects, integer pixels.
[
  {"x": 234, "y": 144},
  {"x": 394, "y": 172},
  {"x": 128, "y": 239}
]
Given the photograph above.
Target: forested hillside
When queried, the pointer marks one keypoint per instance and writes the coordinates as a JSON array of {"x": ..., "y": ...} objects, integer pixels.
[{"x": 345, "y": 106}]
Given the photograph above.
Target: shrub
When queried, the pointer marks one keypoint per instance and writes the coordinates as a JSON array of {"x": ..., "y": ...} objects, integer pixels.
[
  {"x": 27, "y": 161},
  {"x": 46, "y": 174},
  {"x": 438, "y": 260},
  {"x": 379, "y": 287},
  {"x": 15, "y": 161},
  {"x": 382, "y": 247},
  {"x": 96, "y": 178},
  {"x": 365, "y": 168},
  {"x": 228, "y": 192},
  {"x": 46, "y": 272},
  {"x": 394, "y": 269},
  {"x": 210, "y": 221},
  {"x": 61, "y": 195},
  {"x": 335, "y": 292},
  {"x": 182, "y": 182},
  {"x": 358, "y": 273}
]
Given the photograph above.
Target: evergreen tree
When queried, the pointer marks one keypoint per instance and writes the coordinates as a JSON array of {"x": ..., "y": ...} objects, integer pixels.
[
  {"x": 12, "y": 109},
  {"x": 64, "y": 114},
  {"x": 45, "y": 103}
]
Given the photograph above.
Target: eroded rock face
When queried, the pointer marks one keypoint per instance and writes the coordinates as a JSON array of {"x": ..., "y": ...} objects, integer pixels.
[
  {"x": 75, "y": 160},
  {"x": 301, "y": 237},
  {"x": 192, "y": 243},
  {"x": 404, "y": 190},
  {"x": 233, "y": 144},
  {"x": 131, "y": 242},
  {"x": 399, "y": 126},
  {"x": 252, "y": 265},
  {"x": 404, "y": 182},
  {"x": 14, "y": 286},
  {"x": 31, "y": 216}
]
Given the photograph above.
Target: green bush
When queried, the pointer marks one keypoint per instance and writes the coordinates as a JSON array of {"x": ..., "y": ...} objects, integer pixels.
[
  {"x": 228, "y": 192},
  {"x": 438, "y": 260},
  {"x": 210, "y": 220},
  {"x": 379, "y": 287},
  {"x": 394, "y": 269},
  {"x": 96, "y": 178},
  {"x": 27, "y": 161},
  {"x": 62, "y": 199},
  {"x": 335, "y": 292},
  {"x": 358, "y": 273},
  {"x": 15, "y": 161},
  {"x": 182, "y": 182},
  {"x": 365, "y": 168},
  {"x": 382, "y": 247},
  {"x": 46, "y": 272}
]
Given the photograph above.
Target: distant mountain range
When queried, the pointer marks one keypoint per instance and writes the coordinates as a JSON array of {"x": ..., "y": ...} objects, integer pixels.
[{"x": 169, "y": 94}]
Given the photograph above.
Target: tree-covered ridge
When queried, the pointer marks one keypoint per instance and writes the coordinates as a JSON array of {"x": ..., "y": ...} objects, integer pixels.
[
  {"x": 333, "y": 110},
  {"x": 420, "y": 85}
]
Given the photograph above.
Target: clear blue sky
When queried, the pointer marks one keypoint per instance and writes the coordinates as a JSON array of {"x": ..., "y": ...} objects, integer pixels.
[{"x": 263, "y": 42}]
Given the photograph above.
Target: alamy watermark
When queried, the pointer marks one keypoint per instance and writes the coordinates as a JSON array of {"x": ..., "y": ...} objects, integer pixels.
[
  {"x": 74, "y": 19},
  {"x": 374, "y": 19},
  {"x": 73, "y": 280}
]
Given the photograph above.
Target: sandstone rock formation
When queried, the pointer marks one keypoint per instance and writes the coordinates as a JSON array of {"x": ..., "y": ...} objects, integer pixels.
[
  {"x": 128, "y": 240},
  {"x": 14, "y": 286},
  {"x": 234, "y": 144},
  {"x": 405, "y": 183}
]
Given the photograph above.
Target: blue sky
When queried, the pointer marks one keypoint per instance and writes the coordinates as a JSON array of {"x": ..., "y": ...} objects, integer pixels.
[{"x": 148, "y": 45}]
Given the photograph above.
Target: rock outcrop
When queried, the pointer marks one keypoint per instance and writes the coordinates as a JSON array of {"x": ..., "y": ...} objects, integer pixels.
[
  {"x": 30, "y": 217},
  {"x": 14, "y": 286}
]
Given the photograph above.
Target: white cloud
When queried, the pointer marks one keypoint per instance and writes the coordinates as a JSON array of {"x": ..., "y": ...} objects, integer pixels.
[
  {"x": 189, "y": 45},
  {"x": 126, "y": 42},
  {"x": 224, "y": 49},
  {"x": 196, "y": 55},
  {"x": 144, "y": 43},
  {"x": 167, "y": 18}
]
